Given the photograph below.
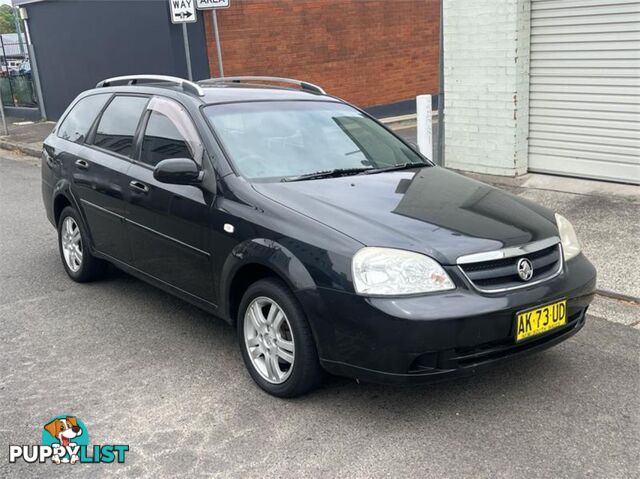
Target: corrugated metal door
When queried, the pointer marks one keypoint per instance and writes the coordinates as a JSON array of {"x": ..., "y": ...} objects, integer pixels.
[{"x": 584, "y": 106}]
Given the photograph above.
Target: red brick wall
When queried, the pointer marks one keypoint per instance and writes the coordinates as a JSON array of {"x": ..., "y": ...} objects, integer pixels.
[{"x": 369, "y": 52}]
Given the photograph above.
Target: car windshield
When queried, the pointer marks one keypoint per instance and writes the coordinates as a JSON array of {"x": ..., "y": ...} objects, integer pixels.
[{"x": 280, "y": 140}]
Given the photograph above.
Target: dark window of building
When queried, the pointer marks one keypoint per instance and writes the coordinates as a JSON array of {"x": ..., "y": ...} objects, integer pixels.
[
  {"x": 162, "y": 140},
  {"x": 79, "y": 120},
  {"x": 118, "y": 124}
]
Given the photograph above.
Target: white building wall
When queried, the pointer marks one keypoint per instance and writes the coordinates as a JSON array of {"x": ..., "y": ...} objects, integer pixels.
[{"x": 486, "y": 75}]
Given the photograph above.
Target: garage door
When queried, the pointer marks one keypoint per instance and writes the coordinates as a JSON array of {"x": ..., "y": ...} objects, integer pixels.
[{"x": 584, "y": 105}]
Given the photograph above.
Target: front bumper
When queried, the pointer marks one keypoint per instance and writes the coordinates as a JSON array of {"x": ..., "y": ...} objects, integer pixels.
[{"x": 428, "y": 337}]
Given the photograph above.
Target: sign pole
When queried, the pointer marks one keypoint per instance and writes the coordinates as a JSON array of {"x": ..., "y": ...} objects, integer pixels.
[
  {"x": 217, "y": 35},
  {"x": 186, "y": 51},
  {"x": 184, "y": 11},
  {"x": 214, "y": 5}
]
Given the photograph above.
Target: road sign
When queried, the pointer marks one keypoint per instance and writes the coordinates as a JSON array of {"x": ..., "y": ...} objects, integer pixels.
[
  {"x": 183, "y": 11},
  {"x": 210, "y": 4}
]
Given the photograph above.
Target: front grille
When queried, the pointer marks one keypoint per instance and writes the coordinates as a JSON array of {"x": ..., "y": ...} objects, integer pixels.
[{"x": 500, "y": 274}]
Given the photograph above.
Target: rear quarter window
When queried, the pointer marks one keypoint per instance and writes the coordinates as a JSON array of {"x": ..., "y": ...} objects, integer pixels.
[{"x": 78, "y": 121}]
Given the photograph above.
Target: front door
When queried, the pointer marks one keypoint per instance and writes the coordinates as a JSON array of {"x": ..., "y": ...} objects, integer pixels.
[{"x": 168, "y": 224}]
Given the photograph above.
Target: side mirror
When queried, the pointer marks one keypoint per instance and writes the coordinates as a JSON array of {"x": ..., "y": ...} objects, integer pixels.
[{"x": 178, "y": 171}]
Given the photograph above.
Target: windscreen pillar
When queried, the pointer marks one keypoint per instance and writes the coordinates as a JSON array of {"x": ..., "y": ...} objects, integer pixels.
[{"x": 486, "y": 77}]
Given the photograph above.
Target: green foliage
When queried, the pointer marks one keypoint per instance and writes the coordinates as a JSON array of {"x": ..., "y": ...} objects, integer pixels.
[{"x": 7, "y": 23}]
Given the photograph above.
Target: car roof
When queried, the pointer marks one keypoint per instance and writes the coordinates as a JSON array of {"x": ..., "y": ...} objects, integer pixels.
[{"x": 222, "y": 93}]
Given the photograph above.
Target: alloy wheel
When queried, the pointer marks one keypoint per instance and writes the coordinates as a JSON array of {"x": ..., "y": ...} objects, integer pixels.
[
  {"x": 269, "y": 340},
  {"x": 71, "y": 240}
]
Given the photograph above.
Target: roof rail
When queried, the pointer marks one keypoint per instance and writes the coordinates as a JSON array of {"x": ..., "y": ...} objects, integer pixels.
[
  {"x": 186, "y": 85},
  {"x": 302, "y": 84}
]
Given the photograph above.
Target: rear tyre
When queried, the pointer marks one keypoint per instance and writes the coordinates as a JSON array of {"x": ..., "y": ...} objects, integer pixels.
[
  {"x": 276, "y": 341},
  {"x": 78, "y": 262}
]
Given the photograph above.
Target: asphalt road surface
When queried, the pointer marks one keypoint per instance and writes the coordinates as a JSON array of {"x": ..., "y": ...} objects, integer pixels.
[{"x": 142, "y": 368}]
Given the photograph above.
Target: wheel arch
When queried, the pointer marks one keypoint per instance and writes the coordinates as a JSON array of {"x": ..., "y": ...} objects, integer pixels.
[
  {"x": 60, "y": 202},
  {"x": 63, "y": 197},
  {"x": 257, "y": 259}
]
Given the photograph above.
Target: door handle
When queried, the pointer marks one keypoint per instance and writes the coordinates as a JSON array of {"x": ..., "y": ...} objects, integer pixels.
[
  {"x": 139, "y": 186},
  {"x": 82, "y": 164}
]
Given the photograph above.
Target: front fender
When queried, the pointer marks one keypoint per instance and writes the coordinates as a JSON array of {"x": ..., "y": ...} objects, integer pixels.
[{"x": 268, "y": 253}]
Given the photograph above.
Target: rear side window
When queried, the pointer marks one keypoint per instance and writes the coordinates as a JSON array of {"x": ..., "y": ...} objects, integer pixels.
[
  {"x": 118, "y": 124},
  {"x": 79, "y": 120}
]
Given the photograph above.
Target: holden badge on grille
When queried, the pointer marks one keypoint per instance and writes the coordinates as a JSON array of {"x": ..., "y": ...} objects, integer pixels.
[{"x": 525, "y": 269}]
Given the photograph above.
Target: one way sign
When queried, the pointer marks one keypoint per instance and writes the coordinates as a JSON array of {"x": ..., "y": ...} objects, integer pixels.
[{"x": 183, "y": 11}]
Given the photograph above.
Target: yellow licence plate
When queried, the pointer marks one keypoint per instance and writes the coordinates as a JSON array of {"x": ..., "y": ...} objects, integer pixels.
[{"x": 540, "y": 320}]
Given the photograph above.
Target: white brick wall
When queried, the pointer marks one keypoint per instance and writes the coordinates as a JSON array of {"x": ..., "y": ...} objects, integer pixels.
[{"x": 486, "y": 75}]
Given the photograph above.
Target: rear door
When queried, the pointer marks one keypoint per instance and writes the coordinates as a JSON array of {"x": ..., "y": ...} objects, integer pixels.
[
  {"x": 169, "y": 224},
  {"x": 100, "y": 176},
  {"x": 65, "y": 155}
]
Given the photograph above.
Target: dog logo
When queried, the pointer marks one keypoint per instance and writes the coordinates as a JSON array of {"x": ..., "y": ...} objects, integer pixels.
[
  {"x": 66, "y": 431},
  {"x": 65, "y": 440}
]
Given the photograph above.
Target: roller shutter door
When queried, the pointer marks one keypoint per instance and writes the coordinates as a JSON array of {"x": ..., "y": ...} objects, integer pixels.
[{"x": 584, "y": 104}]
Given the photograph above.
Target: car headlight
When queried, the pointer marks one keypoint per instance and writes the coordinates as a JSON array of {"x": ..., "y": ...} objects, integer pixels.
[
  {"x": 386, "y": 271},
  {"x": 570, "y": 244}
]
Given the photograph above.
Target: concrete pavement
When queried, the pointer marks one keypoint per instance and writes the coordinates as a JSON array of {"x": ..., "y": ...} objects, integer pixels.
[
  {"x": 26, "y": 136},
  {"x": 145, "y": 369}
]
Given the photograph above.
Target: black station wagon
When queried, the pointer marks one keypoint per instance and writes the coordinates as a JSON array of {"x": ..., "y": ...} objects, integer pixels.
[{"x": 331, "y": 243}]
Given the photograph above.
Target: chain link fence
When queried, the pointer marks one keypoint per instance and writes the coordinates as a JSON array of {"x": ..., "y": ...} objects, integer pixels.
[{"x": 16, "y": 78}]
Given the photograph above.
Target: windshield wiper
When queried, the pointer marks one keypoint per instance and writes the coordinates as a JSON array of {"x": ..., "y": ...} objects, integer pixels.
[
  {"x": 402, "y": 166},
  {"x": 336, "y": 172}
]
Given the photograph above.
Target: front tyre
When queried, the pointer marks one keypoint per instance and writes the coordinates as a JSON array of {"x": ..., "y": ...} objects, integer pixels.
[
  {"x": 276, "y": 341},
  {"x": 78, "y": 262}
]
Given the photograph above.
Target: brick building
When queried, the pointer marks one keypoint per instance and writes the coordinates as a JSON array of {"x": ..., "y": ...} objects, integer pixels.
[{"x": 369, "y": 52}]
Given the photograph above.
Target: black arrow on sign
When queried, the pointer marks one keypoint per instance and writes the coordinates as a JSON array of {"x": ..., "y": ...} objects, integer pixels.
[{"x": 184, "y": 14}]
